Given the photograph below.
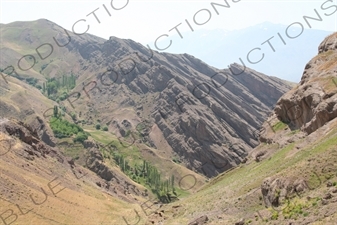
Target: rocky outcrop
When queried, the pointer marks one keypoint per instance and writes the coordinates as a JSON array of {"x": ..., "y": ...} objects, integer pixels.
[
  {"x": 275, "y": 191},
  {"x": 200, "y": 221},
  {"x": 42, "y": 131},
  {"x": 313, "y": 102},
  {"x": 29, "y": 136},
  {"x": 330, "y": 43}
]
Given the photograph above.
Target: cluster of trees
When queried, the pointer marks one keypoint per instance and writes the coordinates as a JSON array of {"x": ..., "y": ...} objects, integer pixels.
[
  {"x": 58, "y": 88},
  {"x": 122, "y": 163},
  {"x": 62, "y": 128},
  {"x": 153, "y": 179},
  {"x": 164, "y": 189}
]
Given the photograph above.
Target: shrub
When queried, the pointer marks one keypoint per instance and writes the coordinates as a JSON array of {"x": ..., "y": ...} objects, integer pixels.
[
  {"x": 105, "y": 128},
  {"x": 98, "y": 126},
  {"x": 81, "y": 137},
  {"x": 31, "y": 81},
  {"x": 43, "y": 67},
  {"x": 274, "y": 216},
  {"x": 73, "y": 116},
  {"x": 63, "y": 96},
  {"x": 176, "y": 160}
]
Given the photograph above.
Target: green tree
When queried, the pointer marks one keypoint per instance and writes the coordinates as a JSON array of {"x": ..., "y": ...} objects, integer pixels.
[
  {"x": 172, "y": 182},
  {"x": 123, "y": 164},
  {"x": 63, "y": 80},
  {"x": 81, "y": 137},
  {"x": 136, "y": 169},
  {"x": 98, "y": 126},
  {"x": 167, "y": 186},
  {"x": 55, "y": 111}
]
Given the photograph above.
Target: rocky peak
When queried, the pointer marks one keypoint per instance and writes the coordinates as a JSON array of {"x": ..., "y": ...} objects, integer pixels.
[
  {"x": 312, "y": 103},
  {"x": 329, "y": 43}
]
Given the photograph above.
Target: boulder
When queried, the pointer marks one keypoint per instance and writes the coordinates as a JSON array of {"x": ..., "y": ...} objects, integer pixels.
[{"x": 200, "y": 221}]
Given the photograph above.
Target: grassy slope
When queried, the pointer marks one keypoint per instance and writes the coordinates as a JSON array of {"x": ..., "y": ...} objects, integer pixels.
[{"x": 236, "y": 194}]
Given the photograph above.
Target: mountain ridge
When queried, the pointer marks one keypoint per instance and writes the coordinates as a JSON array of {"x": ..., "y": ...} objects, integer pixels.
[{"x": 115, "y": 67}]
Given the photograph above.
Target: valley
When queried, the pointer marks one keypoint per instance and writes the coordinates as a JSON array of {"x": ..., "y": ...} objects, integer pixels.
[{"x": 96, "y": 131}]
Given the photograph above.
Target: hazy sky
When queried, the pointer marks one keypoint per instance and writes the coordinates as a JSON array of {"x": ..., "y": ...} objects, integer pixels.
[{"x": 143, "y": 21}]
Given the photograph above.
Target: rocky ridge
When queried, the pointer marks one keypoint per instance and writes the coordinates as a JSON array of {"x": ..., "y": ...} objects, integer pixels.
[
  {"x": 313, "y": 102},
  {"x": 205, "y": 114},
  {"x": 208, "y": 117}
]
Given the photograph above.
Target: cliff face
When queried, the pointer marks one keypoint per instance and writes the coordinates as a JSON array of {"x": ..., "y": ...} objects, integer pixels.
[
  {"x": 313, "y": 102},
  {"x": 217, "y": 132}
]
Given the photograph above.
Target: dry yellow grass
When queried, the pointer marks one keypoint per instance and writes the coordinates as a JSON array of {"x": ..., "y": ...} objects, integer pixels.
[{"x": 79, "y": 203}]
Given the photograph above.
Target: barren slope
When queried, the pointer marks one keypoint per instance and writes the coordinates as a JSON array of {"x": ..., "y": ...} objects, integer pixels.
[{"x": 41, "y": 186}]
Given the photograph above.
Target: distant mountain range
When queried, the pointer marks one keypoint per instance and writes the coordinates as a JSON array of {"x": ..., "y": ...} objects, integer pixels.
[{"x": 220, "y": 48}]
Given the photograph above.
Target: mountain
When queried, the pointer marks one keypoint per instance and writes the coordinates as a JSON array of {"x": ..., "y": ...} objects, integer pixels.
[
  {"x": 188, "y": 108},
  {"x": 220, "y": 48},
  {"x": 108, "y": 126}
]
